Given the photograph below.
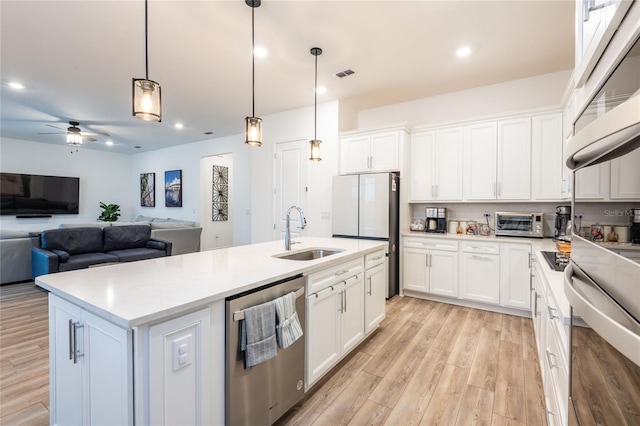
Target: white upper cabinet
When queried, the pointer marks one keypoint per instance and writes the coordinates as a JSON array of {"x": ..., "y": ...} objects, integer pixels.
[
  {"x": 480, "y": 156},
  {"x": 625, "y": 176},
  {"x": 436, "y": 165},
  {"x": 546, "y": 157},
  {"x": 514, "y": 159},
  {"x": 592, "y": 183},
  {"x": 371, "y": 151}
]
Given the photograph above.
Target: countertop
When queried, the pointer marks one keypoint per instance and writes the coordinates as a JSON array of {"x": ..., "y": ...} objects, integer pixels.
[
  {"x": 136, "y": 293},
  {"x": 554, "y": 279}
]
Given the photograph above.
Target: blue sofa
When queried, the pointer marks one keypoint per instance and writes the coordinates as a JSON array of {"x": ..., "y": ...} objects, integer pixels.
[{"x": 69, "y": 249}]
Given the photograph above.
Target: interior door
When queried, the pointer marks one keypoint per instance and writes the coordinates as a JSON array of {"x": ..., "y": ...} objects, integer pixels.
[{"x": 290, "y": 186}]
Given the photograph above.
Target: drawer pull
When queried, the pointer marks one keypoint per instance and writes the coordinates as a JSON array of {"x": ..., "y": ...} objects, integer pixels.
[
  {"x": 551, "y": 364},
  {"x": 377, "y": 258},
  {"x": 473, "y": 256},
  {"x": 344, "y": 271},
  {"x": 551, "y": 312}
]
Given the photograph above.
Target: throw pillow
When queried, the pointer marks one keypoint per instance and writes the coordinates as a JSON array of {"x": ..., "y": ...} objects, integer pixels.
[
  {"x": 63, "y": 256},
  {"x": 158, "y": 245}
]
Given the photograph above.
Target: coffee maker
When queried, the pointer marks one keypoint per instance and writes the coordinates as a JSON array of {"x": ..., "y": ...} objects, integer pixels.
[
  {"x": 562, "y": 229},
  {"x": 436, "y": 219},
  {"x": 635, "y": 226}
]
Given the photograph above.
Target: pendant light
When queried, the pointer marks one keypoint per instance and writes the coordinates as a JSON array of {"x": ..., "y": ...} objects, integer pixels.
[
  {"x": 315, "y": 143},
  {"x": 147, "y": 102},
  {"x": 253, "y": 124}
]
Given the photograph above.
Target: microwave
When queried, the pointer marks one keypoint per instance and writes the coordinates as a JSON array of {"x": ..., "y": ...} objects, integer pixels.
[{"x": 519, "y": 224}]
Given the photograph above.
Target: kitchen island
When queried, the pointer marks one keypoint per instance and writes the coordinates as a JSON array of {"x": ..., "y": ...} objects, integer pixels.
[{"x": 144, "y": 342}]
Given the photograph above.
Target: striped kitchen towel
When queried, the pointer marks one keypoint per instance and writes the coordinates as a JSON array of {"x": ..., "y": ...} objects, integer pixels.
[
  {"x": 258, "y": 340},
  {"x": 288, "y": 328}
]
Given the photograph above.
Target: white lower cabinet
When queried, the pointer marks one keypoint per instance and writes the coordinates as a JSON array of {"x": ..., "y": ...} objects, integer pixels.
[
  {"x": 335, "y": 316},
  {"x": 375, "y": 286},
  {"x": 431, "y": 266},
  {"x": 480, "y": 271},
  {"x": 515, "y": 275},
  {"x": 91, "y": 363}
]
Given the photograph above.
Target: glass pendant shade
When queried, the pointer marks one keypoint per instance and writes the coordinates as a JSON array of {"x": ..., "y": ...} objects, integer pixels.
[
  {"x": 253, "y": 131},
  {"x": 147, "y": 100},
  {"x": 315, "y": 150},
  {"x": 74, "y": 139}
]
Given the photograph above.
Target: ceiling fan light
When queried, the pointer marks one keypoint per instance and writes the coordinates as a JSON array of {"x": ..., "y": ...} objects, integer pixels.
[
  {"x": 147, "y": 100},
  {"x": 315, "y": 150},
  {"x": 253, "y": 131},
  {"x": 74, "y": 138}
]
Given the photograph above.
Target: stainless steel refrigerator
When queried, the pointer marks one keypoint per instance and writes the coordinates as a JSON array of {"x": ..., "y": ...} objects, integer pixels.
[{"x": 366, "y": 206}]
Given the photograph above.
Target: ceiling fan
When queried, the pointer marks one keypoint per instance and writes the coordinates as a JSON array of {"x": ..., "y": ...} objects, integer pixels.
[{"x": 75, "y": 136}]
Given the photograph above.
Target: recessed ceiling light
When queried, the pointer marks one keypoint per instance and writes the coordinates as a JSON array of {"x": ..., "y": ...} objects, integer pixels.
[
  {"x": 321, "y": 89},
  {"x": 463, "y": 51},
  {"x": 260, "y": 52},
  {"x": 16, "y": 85},
  {"x": 109, "y": 143},
  {"x": 179, "y": 125}
]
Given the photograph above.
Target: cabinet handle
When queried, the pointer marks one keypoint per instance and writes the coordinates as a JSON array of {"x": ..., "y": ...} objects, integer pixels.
[
  {"x": 499, "y": 188},
  {"x": 535, "y": 305},
  {"x": 369, "y": 286},
  {"x": 551, "y": 364},
  {"x": 344, "y": 271},
  {"x": 551, "y": 314},
  {"x": 345, "y": 299},
  {"x": 589, "y": 6},
  {"x": 70, "y": 339},
  {"x": 377, "y": 258},
  {"x": 474, "y": 256},
  {"x": 76, "y": 326}
]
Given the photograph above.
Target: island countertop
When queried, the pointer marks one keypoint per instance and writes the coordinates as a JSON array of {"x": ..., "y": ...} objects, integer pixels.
[{"x": 136, "y": 293}]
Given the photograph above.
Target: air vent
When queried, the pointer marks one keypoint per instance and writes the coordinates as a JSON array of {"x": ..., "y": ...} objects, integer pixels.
[{"x": 344, "y": 73}]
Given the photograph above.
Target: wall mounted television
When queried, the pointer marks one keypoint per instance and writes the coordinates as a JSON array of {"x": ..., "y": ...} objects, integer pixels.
[{"x": 24, "y": 195}]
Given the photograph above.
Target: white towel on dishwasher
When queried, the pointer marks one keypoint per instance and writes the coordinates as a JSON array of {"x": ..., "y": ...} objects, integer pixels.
[{"x": 288, "y": 328}]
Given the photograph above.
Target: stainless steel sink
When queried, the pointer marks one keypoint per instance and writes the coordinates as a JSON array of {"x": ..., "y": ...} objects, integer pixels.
[{"x": 309, "y": 254}]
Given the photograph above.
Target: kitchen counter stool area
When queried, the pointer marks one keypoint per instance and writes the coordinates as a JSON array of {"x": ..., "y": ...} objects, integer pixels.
[{"x": 407, "y": 369}]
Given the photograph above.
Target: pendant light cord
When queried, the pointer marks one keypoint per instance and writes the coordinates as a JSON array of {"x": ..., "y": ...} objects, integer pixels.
[
  {"x": 146, "y": 42},
  {"x": 315, "y": 103},
  {"x": 253, "y": 65}
]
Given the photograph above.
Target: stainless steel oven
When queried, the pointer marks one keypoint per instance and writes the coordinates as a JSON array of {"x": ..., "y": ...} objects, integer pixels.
[
  {"x": 602, "y": 281},
  {"x": 519, "y": 224}
]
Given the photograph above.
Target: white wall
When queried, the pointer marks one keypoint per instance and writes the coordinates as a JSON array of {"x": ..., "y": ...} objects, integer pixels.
[
  {"x": 288, "y": 126},
  {"x": 535, "y": 92},
  {"x": 187, "y": 158},
  {"x": 104, "y": 177}
]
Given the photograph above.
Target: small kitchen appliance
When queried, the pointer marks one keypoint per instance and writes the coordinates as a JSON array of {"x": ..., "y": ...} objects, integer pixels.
[
  {"x": 436, "y": 219},
  {"x": 562, "y": 229},
  {"x": 519, "y": 224},
  {"x": 635, "y": 226}
]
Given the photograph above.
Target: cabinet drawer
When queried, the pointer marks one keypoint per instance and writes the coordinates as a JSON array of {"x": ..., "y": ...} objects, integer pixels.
[
  {"x": 431, "y": 243},
  {"x": 373, "y": 259},
  {"x": 483, "y": 247},
  {"x": 556, "y": 361},
  {"x": 334, "y": 275}
]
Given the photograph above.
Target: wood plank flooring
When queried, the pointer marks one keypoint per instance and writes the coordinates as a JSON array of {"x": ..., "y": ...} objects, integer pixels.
[{"x": 429, "y": 363}]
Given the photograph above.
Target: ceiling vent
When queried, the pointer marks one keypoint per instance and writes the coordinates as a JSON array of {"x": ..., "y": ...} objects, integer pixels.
[{"x": 344, "y": 73}]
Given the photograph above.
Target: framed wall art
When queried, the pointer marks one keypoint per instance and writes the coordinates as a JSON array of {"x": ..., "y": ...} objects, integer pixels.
[
  {"x": 148, "y": 189},
  {"x": 220, "y": 194},
  {"x": 173, "y": 188}
]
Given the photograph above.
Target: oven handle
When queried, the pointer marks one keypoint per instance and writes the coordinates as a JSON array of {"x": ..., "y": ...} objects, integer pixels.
[{"x": 618, "y": 335}]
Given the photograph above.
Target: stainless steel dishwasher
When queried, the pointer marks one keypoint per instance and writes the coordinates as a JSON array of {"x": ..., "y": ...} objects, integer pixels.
[{"x": 260, "y": 395}]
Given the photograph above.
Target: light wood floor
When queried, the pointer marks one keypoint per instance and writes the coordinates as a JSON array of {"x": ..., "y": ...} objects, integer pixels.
[{"x": 428, "y": 363}]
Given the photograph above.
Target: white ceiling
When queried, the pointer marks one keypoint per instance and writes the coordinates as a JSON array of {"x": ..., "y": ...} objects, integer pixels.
[{"x": 77, "y": 59}]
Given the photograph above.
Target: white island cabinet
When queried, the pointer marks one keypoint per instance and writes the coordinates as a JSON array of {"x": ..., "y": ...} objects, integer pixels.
[{"x": 144, "y": 342}]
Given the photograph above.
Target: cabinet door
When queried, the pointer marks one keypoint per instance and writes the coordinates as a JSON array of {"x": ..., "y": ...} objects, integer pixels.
[
  {"x": 479, "y": 278},
  {"x": 443, "y": 273},
  {"x": 422, "y": 165},
  {"x": 354, "y": 154},
  {"x": 515, "y": 280},
  {"x": 384, "y": 152},
  {"x": 625, "y": 176},
  {"x": 323, "y": 330},
  {"x": 592, "y": 182},
  {"x": 375, "y": 285},
  {"x": 415, "y": 274},
  {"x": 108, "y": 362},
  {"x": 65, "y": 375},
  {"x": 546, "y": 157},
  {"x": 514, "y": 159},
  {"x": 480, "y": 145},
  {"x": 448, "y": 164},
  {"x": 352, "y": 313}
]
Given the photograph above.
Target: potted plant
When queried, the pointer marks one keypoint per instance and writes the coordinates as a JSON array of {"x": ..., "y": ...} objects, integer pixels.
[{"x": 110, "y": 212}]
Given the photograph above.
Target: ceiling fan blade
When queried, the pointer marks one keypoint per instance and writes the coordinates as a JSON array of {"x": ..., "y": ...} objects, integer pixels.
[
  {"x": 88, "y": 138},
  {"x": 94, "y": 133},
  {"x": 59, "y": 128},
  {"x": 50, "y": 133}
]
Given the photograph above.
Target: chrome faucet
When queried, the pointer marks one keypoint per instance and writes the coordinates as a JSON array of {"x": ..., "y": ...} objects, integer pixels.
[{"x": 287, "y": 233}]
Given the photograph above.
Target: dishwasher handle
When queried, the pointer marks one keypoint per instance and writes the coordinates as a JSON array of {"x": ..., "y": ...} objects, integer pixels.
[{"x": 239, "y": 315}]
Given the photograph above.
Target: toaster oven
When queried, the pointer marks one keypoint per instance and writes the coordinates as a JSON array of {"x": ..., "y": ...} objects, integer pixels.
[{"x": 519, "y": 224}]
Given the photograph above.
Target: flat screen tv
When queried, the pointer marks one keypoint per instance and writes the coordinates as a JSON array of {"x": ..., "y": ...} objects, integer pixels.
[{"x": 36, "y": 195}]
